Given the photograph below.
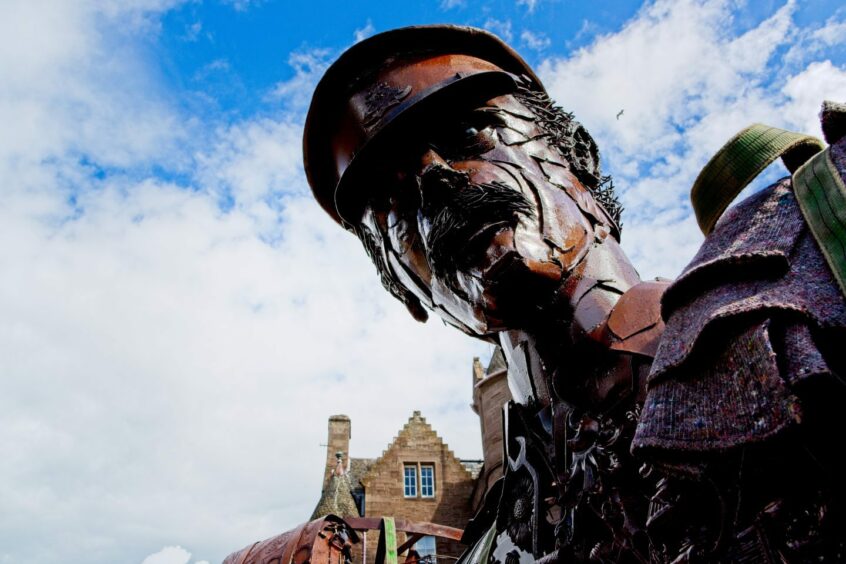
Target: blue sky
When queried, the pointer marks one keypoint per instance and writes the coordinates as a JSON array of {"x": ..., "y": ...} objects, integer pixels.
[
  {"x": 178, "y": 318},
  {"x": 255, "y": 39}
]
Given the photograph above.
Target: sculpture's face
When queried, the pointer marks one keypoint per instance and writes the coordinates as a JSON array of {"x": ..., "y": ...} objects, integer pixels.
[{"x": 478, "y": 215}]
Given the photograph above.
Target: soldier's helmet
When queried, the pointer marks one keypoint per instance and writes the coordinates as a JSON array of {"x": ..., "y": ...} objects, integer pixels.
[{"x": 384, "y": 82}]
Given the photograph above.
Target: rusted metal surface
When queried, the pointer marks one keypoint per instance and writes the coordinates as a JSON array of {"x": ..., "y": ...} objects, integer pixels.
[
  {"x": 412, "y": 540},
  {"x": 329, "y": 539},
  {"x": 406, "y": 526},
  {"x": 323, "y": 540},
  {"x": 482, "y": 202}
]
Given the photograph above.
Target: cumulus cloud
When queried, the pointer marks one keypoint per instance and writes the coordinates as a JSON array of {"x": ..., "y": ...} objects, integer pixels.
[
  {"x": 450, "y": 4},
  {"x": 192, "y": 32},
  {"x": 529, "y": 4},
  {"x": 536, "y": 41},
  {"x": 364, "y": 32},
  {"x": 173, "y": 343},
  {"x": 309, "y": 65},
  {"x": 501, "y": 28},
  {"x": 169, "y": 555},
  {"x": 686, "y": 83},
  {"x": 243, "y": 5},
  {"x": 173, "y": 348}
]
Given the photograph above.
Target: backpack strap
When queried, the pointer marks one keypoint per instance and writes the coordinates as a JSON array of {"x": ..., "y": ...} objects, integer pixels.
[
  {"x": 817, "y": 184},
  {"x": 821, "y": 195},
  {"x": 739, "y": 161},
  {"x": 386, "y": 550}
]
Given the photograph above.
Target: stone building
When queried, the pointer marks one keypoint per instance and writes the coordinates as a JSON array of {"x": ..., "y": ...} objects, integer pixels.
[{"x": 418, "y": 477}]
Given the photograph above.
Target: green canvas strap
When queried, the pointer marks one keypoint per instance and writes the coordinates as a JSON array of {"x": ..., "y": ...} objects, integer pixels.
[
  {"x": 821, "y": 195},
  {"x": 739, "y": 161},
  {"x": 817, "y": 184},
  {"x": 386, "y": 551}
]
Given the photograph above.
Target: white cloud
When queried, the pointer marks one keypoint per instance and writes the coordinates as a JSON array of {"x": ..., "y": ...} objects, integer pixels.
[
  {"x": 832, "y": 33},
  {"x": 192, "y": 32},
  {"x": 309, "y": 66},
  {"x": 364, "y": 32},
  {"x": 536, "y": 41},
  {"x": 171, "y": 350},
  {"x": 450, "y": 4},
  {"x": 816, "y": 40},
  {"x": 501, "y": 28},
  {"x": 169, "y": 555},
  {"x": 686, "y": 84},
  {"x": 243, "y": 5},
  {"x": 170, "y": 365},
  {"x": 821, "y": 80},
  {"x": 530, "y": 4}
]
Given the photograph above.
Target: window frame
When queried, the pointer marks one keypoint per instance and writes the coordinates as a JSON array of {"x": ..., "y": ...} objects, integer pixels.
[
  {"x": 431, "y": 467},
  {"x": 405, "y": 481}
]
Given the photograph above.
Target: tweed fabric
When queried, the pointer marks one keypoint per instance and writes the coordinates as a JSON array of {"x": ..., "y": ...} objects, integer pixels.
[
  {"x": 741, "y": 322},
  {"x": 802, "y": 360},
  {"x": 751, "y": 404},
  {"x": 774, "y": 264},
  {"x": 838, "y": 155}
]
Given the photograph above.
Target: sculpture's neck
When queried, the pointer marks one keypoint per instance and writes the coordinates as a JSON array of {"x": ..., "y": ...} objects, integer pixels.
[{"x": 568, "y": 342}]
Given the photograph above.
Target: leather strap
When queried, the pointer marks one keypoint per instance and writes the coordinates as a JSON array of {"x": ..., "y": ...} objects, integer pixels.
[{"x": 739, "y": 161}]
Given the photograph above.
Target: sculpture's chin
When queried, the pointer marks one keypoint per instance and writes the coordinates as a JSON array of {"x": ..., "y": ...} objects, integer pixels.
[{"x": 518, "y": 291}]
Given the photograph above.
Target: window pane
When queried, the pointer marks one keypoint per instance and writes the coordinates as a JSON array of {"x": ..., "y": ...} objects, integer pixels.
[
  {"x": 426, "y": 548},
  {"x": 427, "y": 481},
  {"x": 410, "y": 481}
]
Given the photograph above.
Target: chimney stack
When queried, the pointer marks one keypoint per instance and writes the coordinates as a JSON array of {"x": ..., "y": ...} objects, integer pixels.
[{"x": 339, "y": 442}]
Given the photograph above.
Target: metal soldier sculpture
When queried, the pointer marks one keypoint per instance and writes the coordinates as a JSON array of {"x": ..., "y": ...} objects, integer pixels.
[{"x": 716, "y": 438}]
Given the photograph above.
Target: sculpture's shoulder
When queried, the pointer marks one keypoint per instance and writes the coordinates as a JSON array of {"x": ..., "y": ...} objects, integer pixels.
[
  {"x": 746, "y": 389},
  {"x": 752, "y": 326},
  {"x": 635, "y": 325}
]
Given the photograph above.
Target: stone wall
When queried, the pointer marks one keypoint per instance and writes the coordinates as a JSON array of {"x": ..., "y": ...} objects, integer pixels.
[
  {"x": 490, "y": 394},
  {"x": 417, "y": 443}
]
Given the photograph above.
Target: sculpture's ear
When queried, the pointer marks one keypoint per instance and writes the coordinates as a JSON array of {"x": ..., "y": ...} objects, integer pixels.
[{"x": 415, "y": 308}]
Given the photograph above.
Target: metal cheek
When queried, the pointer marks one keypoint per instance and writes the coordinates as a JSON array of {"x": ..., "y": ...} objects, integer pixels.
[
  {"x": 407, "y": 248},
  {"x": 465, "y": 309},
  {"x": 561, "y": 204},
  {"x": 565, "y": 227},
  {"x": 559, "y": 231},
  {"x": 401, "y": 233},
  {"x": 376, "y": 223},
  {"x": 410, "y": 280},
  {"x": 526, "y": 236},
  {"x": 560, "y": 175}
]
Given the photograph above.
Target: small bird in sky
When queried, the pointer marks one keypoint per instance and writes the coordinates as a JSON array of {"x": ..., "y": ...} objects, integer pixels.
[{"x": 620, "y": 113}]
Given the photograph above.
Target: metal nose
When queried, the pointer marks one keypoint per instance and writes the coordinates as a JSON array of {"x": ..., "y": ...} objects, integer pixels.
[
  {"x": 431, "y": 158},
  {"x": 436, "y": 179}
]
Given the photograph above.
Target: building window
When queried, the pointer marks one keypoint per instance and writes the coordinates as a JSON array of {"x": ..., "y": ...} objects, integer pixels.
[
  {"x": 410, "y": 481},
  {"x": 426, "y": 549},
  {"x": 427, "y": 480}
]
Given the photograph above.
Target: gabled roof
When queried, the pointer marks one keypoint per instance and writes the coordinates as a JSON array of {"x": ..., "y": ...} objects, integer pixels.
[{"x": 416, "y": 420}]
